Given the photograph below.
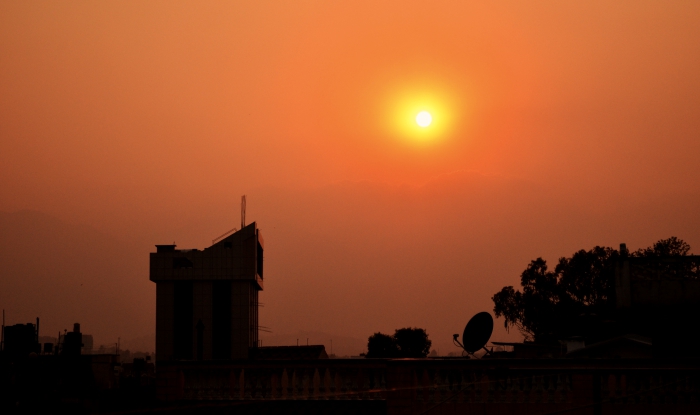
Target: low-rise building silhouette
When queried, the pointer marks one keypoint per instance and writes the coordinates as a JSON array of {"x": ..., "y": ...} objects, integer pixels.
[
  {"x": 21, "y": 339},
  {"x": 657, "y": 298}
]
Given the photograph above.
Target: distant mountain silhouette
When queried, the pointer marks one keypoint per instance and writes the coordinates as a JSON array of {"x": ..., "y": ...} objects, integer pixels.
[{"x": 67, "y": 273}]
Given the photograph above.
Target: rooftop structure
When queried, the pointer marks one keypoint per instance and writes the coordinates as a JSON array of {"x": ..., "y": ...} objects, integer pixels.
[
  {"x": 207, "y": 301},
  {"x": 658, "y": 297}
]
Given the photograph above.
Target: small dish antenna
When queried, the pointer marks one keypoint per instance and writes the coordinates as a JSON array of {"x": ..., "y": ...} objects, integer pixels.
[{"x": 476, "y": 333}]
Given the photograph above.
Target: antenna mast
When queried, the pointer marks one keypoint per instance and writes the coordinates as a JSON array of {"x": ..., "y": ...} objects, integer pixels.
[{"x": 242, "y": 211}]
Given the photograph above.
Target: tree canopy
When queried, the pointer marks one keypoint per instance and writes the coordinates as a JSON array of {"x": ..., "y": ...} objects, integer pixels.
[
  {"x": 552, "y": 301},
  {"x": 406, "y": 342},
  {"x": 382, "y": 345}
]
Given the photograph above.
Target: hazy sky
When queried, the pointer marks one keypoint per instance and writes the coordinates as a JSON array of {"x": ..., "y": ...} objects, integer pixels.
[{"x": 557, "y": 126}]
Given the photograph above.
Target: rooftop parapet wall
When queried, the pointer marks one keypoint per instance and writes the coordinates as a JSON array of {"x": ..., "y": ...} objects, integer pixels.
[{"x": 236, "y": 257}]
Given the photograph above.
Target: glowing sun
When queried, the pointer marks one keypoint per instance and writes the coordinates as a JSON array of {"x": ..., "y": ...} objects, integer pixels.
[{"x": 424, "y": 119}]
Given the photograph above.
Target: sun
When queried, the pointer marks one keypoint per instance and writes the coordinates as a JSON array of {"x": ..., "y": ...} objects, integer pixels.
[
  {"x": 424, "y": 119},
  {"x": 421, "y": 116}
]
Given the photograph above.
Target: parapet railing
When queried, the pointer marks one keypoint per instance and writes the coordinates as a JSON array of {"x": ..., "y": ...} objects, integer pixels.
[
  {"x": 279, "y": 380},
  {"x": 560, "y": 387},
  {"x": 424, "y": 383}
]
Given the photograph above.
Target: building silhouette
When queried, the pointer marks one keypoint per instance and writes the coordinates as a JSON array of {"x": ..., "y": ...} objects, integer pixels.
[
  {"x": 207, "y": 301},
  {"x": 21, "y": 339},
  {"x": 657, "y": 297}
]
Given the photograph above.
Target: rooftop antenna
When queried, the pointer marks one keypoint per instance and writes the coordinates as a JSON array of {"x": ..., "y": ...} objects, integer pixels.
[
  {"x": 242, "y": 211},
  {"x": 213, "y": 241},
  {"x": 476, "y": 334}
]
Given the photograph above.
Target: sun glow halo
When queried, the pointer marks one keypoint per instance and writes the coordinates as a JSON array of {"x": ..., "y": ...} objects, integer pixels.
[
  {"x": 424, "y": 119},
  {"x": 422, "y": 116}
]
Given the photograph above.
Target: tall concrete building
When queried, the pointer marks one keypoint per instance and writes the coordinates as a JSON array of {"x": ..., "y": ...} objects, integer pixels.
[{"x": 207, "y": 301}]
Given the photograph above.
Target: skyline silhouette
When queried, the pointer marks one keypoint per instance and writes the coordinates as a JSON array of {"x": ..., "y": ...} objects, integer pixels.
[{"x": 554, "y": 127}]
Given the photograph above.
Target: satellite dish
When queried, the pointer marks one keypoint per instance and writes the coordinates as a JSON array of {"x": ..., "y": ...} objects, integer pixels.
[{"x": 477, "y": 333}]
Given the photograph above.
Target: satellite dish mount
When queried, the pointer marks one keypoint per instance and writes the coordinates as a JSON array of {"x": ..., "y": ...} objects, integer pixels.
[{"x": 476, "y": 334}]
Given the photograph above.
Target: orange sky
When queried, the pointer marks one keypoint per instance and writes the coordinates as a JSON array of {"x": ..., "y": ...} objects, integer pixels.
[{"x": 567, "y": 124}]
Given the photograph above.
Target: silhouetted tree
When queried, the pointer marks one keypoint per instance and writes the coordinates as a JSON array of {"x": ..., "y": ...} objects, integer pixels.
[
  {"x": 552, "y": 302},
  {"x": 382, "y": 345},
  {"x": 412, "y": 342},
  {"x": 664, "y": 248},
  {"x": 661, "y": 259},
  {"x": 406, "y": 342}
]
